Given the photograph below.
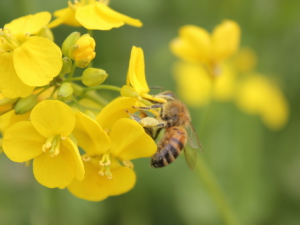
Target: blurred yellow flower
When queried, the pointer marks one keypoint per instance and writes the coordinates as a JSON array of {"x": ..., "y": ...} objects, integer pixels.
[
  {"x": 105, "y": 175},
  {"x": 252, "y": 92},
  {"x": 93, "y": 15},
  {"x": 46, "y": 140},
  {"x": 196, "y": 45},
  {"x": 196, "y": 88},
  {"x": 257, "y": 95},
  {"x": 27, "y": 61}
]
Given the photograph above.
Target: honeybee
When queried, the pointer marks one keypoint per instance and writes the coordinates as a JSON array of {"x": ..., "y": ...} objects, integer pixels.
[{"x": 179, "y": 133}]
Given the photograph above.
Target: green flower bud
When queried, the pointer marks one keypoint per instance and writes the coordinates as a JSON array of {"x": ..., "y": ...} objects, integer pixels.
[
  {"x": 26, "y": 104},
  {"x": 93, "y": 76},
  {"x": 127, "y": 91},
  {"x": 65, "y": 91},
  {"x": 67, "y": 65},
  {"x": 69, "y": 42}
]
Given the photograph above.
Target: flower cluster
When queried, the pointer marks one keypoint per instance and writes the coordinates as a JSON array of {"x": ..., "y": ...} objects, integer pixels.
[
  {"x": 213, "y": 67},
  {"x": 74, "y": 139}
]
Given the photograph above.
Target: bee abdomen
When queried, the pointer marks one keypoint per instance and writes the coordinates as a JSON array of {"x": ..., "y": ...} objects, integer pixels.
[{"x": 168, "y": 149}]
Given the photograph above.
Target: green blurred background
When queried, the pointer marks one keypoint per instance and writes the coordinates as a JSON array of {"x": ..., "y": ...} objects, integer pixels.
[{"x": 258, "y": 170}]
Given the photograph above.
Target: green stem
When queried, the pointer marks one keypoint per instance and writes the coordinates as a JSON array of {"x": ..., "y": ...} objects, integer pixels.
[
  {"x": 208, "y": 178},
  {"x": 90, "y": 32},
  {"x": 44, "y": 89},
  {"x": 73, "y": 79},
  {"x": 77, "y": 104},
  {"x": 107, "y": 87},
  {"x": 213, "y": 187},
  {"x": 72, "y": 71}
]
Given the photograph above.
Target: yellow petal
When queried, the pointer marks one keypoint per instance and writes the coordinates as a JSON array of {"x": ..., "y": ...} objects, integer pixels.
[
  {"x": 136, "y": 71},
  {"x": 128, "y": 138},
  {"x": 28, "y": 24},
  {"x": 11, "y": 85},
  {"x": 194, "y": 84},
  {"x": 96, "y": 188},
  {"x": 90, "y": 135},
  {"x": 93, "y": 187},
  {"x": 10, "y": 118},
  {"x": 192, "y": 45},
  {"x": 37, "y": 61},
  {"x": 225, "y": 40},
  {"x": 258, "y": 95},
  {"x": 52, "y": 117},
  {"x": 225, "y": 84},
  {"x": 245, "y": 60},
  {"x": 22, "y": 142},
  {"x": 122, "y": 181},
  {"x": 116, "y": 110},
  {"x": 68, "y": 145},
  {"x": 98, "y": 16},
  {"x": 65, "y": 16},
  {"x": 57, "y": 171}
]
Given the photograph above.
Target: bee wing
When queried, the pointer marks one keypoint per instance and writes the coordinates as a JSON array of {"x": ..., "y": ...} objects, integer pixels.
[
  {"x": 193, "y": 139},
  {"x": 192, "y": 146},
  {"x": 190, "y": 156}
]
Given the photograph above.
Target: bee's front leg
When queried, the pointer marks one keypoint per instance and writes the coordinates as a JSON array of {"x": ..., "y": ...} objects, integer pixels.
[{"x": 148, "y": 107}]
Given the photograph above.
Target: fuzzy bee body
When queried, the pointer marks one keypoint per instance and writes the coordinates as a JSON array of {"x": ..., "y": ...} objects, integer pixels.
[{"x": 169, "y": 147}]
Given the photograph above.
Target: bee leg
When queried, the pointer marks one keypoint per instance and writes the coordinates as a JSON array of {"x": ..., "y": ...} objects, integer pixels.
[
  {"x": 149, "y": 107},
  {"x": 134, "y": 117}
]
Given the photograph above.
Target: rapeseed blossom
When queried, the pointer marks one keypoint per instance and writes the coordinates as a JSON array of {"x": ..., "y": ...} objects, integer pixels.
[
  {"x": 196, "y": 45},
  {"x": 27, "y": 60},
  {"x": 108, "y": 151},
  {"x": 46, "y": 139},
  {"x": 134, "y": 93},
  {"x": 93, "y": 15}
]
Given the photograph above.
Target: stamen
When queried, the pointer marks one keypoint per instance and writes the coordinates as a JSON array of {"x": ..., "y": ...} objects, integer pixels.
[
  {"x": 62, "y": 137},
  {"x": 105, "y": 160},
  {"x": 128, "y": 164},
  {"x": 86, "y": 157},
  {"x": 105, "y": 166}
]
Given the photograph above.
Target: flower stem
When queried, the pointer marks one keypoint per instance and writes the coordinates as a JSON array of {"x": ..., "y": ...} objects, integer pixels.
[
  {"x": 77, "y": 103},
  {"x": 107, "y": 87},
  {"x": 73, "y": 79},
  {"x": 72, "y": 71},
  {"x": 209, "y": 179},
  {"x": 216, "y": 192}
]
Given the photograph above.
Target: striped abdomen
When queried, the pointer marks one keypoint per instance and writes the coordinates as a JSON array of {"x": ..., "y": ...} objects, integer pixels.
[{"x": 169, "y": 147}]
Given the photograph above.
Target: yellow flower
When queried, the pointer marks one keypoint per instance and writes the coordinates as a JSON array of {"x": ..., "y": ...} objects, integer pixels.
[
  {"x": 93, "y": 15},
  {"x": 85, "y": 51},
  {"x": 46, "y": 140},
  {"x": 196, "y": 88},
  {"x": 27, "y": 61},
  {"x": 134, "y": 92},
  {"x": 196, "y": 45},
  {"x": 257, "y": 95},
  {"x": 105, "y": 175}
]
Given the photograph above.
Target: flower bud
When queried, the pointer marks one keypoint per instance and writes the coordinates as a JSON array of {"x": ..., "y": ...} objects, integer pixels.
[
  {"x": 65, "y": 91},
  {"x": 67, "y": 65},
  {"x": 127, "y": 91},
  {"x": 93, "y": 76},
  {"x": 26, "y": 104},
  {"x": 69, "y": 42},
  {"x": 84, "y": 51}
]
